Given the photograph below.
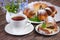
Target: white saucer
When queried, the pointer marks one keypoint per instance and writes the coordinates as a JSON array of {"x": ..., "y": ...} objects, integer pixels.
[
  {"x": 10, "y": 29},
  {"x": 46, "y": 34}
]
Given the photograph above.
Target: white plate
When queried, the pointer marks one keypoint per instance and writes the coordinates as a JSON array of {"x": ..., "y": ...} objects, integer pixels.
[
  {"x": 57, "y": 17},
  {"x": 10, "y": 29},
  {"x": 44, "y": 33}
]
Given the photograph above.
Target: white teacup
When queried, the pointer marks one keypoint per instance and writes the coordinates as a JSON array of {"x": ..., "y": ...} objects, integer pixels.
[{"x": 20, "y": 24}]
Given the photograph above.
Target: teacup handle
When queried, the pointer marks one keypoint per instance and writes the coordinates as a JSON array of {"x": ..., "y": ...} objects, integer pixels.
[{"x": 28, "y": 22}]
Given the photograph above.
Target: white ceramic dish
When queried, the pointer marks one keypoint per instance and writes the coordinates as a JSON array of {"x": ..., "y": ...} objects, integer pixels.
[
  {"x": 9, "y": 28},
  {"x": 44, "y": 33},
  {"x": 57, "y": 18}
]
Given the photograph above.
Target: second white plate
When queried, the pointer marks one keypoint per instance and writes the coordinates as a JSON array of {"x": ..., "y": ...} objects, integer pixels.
[{"x": 46, "y": 34}]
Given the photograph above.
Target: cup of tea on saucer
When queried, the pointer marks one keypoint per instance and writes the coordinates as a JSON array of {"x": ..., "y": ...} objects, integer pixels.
[{"x": 19, "y": 25}]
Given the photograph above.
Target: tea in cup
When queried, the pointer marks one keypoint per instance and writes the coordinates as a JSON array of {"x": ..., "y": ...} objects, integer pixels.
[{"x": 19, "y": 21}]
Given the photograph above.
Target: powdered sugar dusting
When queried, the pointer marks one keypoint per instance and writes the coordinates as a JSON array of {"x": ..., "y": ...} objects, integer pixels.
[
  {"x": 48, "y": 9},
  {"x": 41, "y": 11},
  {"x": 50, "y": 19}
]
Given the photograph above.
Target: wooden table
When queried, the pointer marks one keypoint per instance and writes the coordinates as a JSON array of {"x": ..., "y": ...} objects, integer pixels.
[{"x": 32, "y": 36}]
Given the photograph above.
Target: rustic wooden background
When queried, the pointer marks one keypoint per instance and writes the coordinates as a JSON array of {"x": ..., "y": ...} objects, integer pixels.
[{"x": 33, "y": 35}]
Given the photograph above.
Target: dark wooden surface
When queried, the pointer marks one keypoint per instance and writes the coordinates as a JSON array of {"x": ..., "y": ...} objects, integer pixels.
[{"x": 32, "y": 36}]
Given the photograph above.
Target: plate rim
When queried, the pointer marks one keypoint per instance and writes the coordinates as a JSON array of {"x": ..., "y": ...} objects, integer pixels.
[{"x": 35, "y": 22}]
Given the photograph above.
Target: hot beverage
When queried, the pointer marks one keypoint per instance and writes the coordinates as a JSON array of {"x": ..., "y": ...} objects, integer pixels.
[{"x": 18, "y": 18}]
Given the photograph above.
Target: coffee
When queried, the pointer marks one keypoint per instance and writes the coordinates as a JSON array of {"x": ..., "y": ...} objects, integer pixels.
[{"x": 18, "y": 18}]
